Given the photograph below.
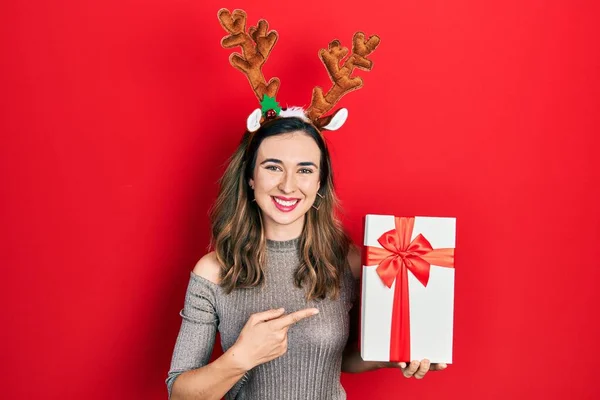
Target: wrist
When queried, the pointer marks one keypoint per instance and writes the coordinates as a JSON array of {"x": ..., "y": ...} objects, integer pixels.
[
  {"x": 238, "y": 359},
  {"x": 389, "y": 364}
]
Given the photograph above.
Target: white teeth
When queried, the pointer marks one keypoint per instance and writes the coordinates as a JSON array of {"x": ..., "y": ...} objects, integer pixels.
[{"x": 285, "y": 203}]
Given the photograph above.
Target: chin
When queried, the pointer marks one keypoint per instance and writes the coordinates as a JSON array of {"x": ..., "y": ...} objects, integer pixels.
[{"x": 285, "y": 219}]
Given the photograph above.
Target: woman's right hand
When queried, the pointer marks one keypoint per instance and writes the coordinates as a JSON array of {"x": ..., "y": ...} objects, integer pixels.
[{"x": 264, "y": 337}]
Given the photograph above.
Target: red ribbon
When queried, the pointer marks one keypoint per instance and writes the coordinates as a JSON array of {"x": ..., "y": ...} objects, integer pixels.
[{"x": 398, "y": 255}]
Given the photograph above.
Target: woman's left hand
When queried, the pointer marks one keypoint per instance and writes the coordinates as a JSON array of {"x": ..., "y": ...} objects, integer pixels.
[{"x": 416, "y": 368}]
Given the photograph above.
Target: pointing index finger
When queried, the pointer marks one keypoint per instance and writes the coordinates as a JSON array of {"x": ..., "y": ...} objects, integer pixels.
[{"x": 295, "y": 317}]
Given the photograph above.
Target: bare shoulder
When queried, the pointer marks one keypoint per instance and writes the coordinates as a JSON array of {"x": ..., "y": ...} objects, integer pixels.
[
  {"x": 354, "y": 260},
  {"x": 209, "y": 268}
]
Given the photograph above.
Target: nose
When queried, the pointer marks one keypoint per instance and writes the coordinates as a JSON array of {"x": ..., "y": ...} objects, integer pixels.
[{"x": 288, "y": 183}]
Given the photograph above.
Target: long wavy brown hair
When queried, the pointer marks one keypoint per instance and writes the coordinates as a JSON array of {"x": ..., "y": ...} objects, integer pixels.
[{"x": 237, "y": 233}]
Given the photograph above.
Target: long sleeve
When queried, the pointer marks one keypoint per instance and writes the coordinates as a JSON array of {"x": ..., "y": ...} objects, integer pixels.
[{"x": 196, "y": 337}]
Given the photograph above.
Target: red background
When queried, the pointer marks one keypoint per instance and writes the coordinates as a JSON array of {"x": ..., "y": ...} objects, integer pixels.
[{"x": 117, "y": 117}]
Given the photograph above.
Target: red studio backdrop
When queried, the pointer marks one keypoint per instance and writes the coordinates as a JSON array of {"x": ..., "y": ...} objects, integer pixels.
[{"x": 117, "y": 119}]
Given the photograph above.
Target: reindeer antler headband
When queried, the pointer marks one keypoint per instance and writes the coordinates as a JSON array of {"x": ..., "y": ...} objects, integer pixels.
[{"x": 256, "y": 46}]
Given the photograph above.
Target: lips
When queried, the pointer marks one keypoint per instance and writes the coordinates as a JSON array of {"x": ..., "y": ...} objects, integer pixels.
[{"x": 285, "y": 204}]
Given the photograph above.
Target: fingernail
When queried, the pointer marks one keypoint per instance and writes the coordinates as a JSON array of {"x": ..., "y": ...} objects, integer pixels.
[
  {"x": 402, "y": 365},
  {"x": 316, "y": 311}
]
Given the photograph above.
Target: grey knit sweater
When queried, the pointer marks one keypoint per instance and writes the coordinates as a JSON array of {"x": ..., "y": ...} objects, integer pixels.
[{"x": 311, "y": 367}]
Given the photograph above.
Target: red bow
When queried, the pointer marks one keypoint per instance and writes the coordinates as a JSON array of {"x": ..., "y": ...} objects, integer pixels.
[{"x": 399, "y": 252}]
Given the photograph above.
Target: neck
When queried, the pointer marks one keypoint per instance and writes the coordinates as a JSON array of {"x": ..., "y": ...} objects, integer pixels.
[{"x": 284, "y": 232}]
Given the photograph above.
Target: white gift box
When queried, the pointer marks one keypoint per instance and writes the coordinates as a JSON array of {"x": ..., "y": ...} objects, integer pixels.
[{"x": 430, "y": 307}]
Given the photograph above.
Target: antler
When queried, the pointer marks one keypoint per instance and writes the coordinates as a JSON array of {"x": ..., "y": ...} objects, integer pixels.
[
  {"x": 340, "y": 76},
  {"x": 256, "y": 46}
]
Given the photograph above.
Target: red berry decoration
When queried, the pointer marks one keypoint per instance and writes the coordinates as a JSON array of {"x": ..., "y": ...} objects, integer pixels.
[{"x": 271, "y": 114}]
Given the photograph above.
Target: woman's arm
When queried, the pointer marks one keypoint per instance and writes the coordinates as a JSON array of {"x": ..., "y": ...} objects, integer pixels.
[
  {"x": 351, "y": 360},
  {"x": 190, "y": 375},
  {"x": 212, "y": 381}
]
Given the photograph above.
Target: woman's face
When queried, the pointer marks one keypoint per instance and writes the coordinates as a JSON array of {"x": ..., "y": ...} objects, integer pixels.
[{"x": 286, "y": 181}]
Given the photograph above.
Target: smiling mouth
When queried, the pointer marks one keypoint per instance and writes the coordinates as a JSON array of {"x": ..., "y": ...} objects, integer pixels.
[{"x": 285, "y": 205}]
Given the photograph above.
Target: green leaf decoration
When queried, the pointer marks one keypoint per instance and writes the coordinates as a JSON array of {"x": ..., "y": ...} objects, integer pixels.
[{"x": 269, "y": 103}]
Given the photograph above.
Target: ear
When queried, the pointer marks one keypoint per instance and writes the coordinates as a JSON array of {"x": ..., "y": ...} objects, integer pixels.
[
  {"x": 253, "y": 122},
  {"x": 337, "y": 120},
  {"x": 251, "y": 183}
]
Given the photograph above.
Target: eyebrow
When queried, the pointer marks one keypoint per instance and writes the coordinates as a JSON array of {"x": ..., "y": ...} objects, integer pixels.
[{"x": 300, "y": 164}]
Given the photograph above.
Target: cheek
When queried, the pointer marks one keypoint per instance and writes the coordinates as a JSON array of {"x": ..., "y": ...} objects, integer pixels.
[
  {"x": 265, "y": 181},
  {"x": 309, "y": 186}
]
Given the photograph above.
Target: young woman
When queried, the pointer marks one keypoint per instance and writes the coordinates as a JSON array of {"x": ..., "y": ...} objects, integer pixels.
[{"x": 281, "y": 283}]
